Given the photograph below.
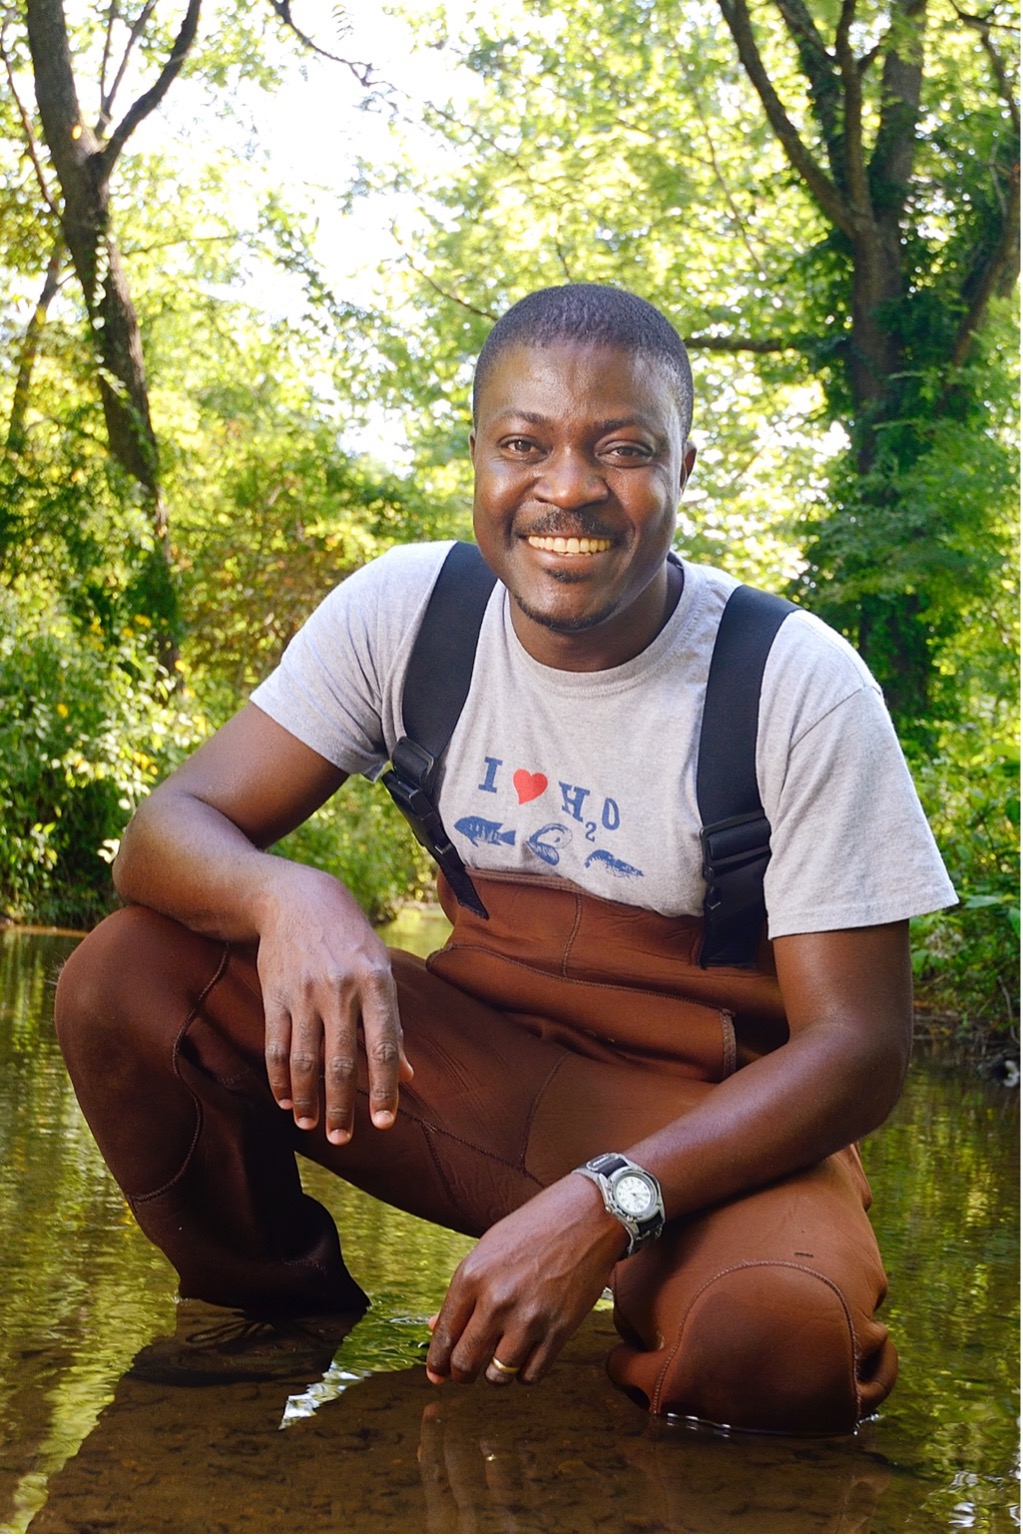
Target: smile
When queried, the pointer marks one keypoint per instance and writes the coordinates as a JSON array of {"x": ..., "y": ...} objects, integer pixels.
[{"x": 573, "y": 546}]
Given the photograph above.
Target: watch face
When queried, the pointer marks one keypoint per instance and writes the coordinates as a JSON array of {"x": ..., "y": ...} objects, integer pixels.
[{"x": 633, "y": 1194}]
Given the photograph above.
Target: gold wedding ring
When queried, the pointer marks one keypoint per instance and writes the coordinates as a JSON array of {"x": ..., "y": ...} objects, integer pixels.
[{"x": 506, "y": 1370}]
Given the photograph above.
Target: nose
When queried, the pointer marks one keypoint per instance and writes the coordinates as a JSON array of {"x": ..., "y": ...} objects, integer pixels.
[{"x": 571, "y": 479}]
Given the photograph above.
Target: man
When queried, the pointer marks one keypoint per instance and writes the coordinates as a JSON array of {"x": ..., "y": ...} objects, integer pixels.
[{"x": 242, "y": 1008}]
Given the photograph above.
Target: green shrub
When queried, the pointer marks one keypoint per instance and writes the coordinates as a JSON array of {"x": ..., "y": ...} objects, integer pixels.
[
  {"x": 86, "y": 728},
  {"x": 966, "y": 960},
  {"x": 361, "y": 837}
]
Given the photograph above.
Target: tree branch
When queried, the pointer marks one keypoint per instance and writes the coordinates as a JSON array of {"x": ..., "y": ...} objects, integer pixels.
[
  {"x": 821, "y": 188},
  {"x": 760, "y": 345},
  {"x": 996, "y": 276},
  {"x": 108, "y": 38},
  {"x": 695, "y": 95},
  {"x": 107, "y": 97},
  {"x": 149, "y": 100},
  {"x": 16, "y": 433},
  {"x": 362, "y": 72},
  {"x": 984, "y": 26},
  {"x": 30, "y": 138},
  {"x": 818, "y": 65},
  {"x": 891, "y": 165},
  {"x": 852, "y": 113},
  {"x": 452, "y": 298}
]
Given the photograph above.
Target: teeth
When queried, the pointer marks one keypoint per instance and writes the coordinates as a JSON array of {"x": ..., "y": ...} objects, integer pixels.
[{"x": 560, "y": 546}]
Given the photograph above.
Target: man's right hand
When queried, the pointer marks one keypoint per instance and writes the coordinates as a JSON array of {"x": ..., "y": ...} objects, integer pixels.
[
  {"x": 196, "y": 851},
  {"x": 328, "y": 992}
]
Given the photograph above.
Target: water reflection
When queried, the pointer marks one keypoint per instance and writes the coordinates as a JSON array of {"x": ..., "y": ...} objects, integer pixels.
[{"x": 367, "y": 1445}]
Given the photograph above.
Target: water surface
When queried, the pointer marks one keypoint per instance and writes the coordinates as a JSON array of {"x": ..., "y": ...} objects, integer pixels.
[{"x": 365, "y": 1444}]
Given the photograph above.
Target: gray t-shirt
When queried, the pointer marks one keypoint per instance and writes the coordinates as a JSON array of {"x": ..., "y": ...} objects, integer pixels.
[{"x": 591, "y": 776}]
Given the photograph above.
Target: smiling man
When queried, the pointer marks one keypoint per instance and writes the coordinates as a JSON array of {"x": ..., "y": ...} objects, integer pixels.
[{"x": 564, "y": 1080}]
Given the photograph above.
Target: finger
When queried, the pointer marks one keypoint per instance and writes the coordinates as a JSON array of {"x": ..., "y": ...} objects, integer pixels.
[
  {"x": 304, "y": 1064},
  {"x": 382, "y": 1037},
  {"x": 537, "y": 1361},
  {"x": 340, "y": 1070},
  {"x": 508, "y": 1361},
  {"x": 277, "y": 1051},
  {"x": 449, "y": 1326}
]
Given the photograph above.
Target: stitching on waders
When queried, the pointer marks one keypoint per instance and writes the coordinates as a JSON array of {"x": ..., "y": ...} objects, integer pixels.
[
  {"x": 766, "y": 1264},
  {"x": 175, "y": 1053},
  {"x": 582, "y": 981},
  {"x": 430, "y": 1130},
  {"x": 725, "y": 1015},
  {"x": 729, "y": 1053},
  {"x": 572, "y": 937},
  {"x": 552, "y": 1074}
]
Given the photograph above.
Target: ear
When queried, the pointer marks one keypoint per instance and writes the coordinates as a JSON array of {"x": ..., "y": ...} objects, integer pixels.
[
  {"x": 472, "y": 446},
  {"x": 688, "y": 460}
]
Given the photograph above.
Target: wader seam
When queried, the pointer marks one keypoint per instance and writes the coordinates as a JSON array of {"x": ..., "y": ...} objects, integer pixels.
[
  {"x": 725, "y": 1015},
  {"x": 190, "y": 1019},
  {"x": 577, "y": 981},
  {"x": 571, "y": 938},
  {"x": 764, "y": 1264},
  {"x": 730, "y": 1049},
  {"x": 430, "y": 1130}
]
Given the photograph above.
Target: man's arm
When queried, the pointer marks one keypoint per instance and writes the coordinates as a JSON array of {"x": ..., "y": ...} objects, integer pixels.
[
  {"x": 535, "y": 1275},
  {"x": 195, "y": 850}
]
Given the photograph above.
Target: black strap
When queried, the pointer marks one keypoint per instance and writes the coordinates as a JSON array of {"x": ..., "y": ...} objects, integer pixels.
[
  {"x": 736, "y": 835},
  {"x": 436, "y": 688}
]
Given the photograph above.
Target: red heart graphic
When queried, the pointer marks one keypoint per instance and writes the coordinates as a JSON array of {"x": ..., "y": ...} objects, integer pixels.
[{"x": 528, "y": 785}]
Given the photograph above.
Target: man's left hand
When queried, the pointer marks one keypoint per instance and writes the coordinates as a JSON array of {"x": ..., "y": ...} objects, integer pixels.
[{"x": 526, "y": 1287}]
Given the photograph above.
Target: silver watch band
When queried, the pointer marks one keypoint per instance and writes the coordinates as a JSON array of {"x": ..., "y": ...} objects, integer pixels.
[{"x": 607, "y": 1171}]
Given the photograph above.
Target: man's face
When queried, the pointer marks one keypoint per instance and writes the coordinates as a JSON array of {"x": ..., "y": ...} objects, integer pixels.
[{"x": 580, "y": 464}]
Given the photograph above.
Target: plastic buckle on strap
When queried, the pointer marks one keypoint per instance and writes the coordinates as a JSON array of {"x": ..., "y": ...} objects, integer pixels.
[
  {"x": 403, "y": 782},
  {"x": 415, "y": 765},
  {"x": 731, "y": 844},
  {"x": 736, "y": 852}
]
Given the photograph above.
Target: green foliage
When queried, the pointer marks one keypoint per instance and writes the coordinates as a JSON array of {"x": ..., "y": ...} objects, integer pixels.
[
  {"x": 86, "y": 728},
  {"x": 966, "y": 960},
  {"x": 605, "y": 143},
  {"x": 361, "y": 837}
]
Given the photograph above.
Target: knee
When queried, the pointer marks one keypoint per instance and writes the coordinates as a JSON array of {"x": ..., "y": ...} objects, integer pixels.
[
  {"x": 763, "y": 1346},
  {"x": 131, "y": 960}
]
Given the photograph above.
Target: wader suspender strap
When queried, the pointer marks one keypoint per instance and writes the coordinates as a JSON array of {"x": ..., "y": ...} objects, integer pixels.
[
  {"x": 436, "y": 688},
  {"x": 736, "y": 835}
]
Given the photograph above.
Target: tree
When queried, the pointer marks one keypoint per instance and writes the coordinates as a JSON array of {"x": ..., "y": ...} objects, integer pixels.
[
  {"x": 825, "y": 197},
  {"x": 125, "y": 48},
  {"x": 84, "y": 157}
]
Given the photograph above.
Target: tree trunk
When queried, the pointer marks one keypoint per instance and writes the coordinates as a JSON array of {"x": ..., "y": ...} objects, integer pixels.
[{"x": 83, "y": 169}]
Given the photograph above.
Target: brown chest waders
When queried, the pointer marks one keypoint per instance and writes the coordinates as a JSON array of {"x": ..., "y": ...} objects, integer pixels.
[{"x": 557, "y": 1027}]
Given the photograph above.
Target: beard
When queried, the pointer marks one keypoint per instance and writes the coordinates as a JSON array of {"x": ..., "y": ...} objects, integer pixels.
[{"x": 565, "y": 626}]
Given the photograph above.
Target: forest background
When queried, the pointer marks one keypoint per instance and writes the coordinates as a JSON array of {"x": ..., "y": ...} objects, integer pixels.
[{"x": 224, "y": 387}]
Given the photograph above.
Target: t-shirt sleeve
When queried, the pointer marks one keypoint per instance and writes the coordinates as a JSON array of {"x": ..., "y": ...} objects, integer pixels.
[
  {"x": 850, "y": 845},
  {"x": 336, "y": 688}
]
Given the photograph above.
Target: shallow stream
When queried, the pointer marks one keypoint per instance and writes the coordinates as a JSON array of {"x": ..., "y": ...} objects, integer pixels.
[{"x": 369, "y": 1446}]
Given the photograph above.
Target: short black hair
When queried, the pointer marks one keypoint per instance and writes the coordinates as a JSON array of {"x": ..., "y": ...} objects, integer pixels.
[{"x": 599, "y": 315}]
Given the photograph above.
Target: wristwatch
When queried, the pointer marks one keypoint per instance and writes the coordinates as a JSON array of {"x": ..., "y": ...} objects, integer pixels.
[{"x": 630, "y": 1194}]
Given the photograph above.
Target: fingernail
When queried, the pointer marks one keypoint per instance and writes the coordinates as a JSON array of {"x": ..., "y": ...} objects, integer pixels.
[
  {"x": 339, "y": 1137},
  {"x": 384, "y": 1118},
  {"x": 305, "y": 1123}
]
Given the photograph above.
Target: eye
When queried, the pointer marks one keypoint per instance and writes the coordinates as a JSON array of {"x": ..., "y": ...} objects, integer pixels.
[
  {"x": 625, "y": 452},
  {"x": 519, "y": 447}
]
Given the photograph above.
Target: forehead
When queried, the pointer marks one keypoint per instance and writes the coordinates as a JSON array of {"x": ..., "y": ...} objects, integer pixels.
[{"x": 567, "y": 380}]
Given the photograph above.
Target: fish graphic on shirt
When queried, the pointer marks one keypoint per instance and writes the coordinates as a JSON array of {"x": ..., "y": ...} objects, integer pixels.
[
  {"x": 616, "y": 867},
  {"x": 546, "y": 842},
  {"x": 478, "y": 830}
]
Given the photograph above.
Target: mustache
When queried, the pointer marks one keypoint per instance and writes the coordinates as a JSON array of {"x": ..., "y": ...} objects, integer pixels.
[{"x": 559, "y": 525}]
